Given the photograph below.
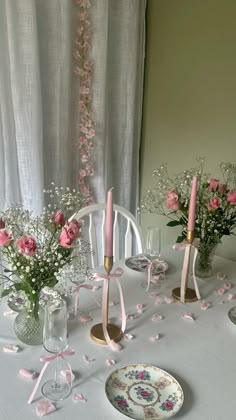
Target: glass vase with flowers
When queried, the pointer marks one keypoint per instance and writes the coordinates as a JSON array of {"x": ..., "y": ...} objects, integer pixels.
[
  {"x": 33, "y": 253},
  {"x": 215, "y": 206}
]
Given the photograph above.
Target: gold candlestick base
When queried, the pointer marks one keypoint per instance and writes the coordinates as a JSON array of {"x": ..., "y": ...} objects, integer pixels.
[
  {"x": 96, "y": 333},
  {"x": 190, "y": 294}
]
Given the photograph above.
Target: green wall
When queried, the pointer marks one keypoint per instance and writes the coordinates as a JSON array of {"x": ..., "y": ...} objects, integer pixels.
[{"x": 189, "y": 93}]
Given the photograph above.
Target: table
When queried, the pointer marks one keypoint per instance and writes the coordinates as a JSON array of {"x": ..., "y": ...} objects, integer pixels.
[{"x": 200, "y": 354}]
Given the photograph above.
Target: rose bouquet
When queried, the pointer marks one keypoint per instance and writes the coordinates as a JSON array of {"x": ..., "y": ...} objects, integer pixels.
[
  {"x": 35, "y": 249},
  {"x": 215, "y": 207}
]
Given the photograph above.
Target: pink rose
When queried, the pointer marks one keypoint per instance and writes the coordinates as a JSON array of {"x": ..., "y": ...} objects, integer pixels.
[
  {"x": 75, "y": 226},
  {"x": 213, "y": 184},
  {"x": 172, "y": 200},
  {"x": 231, "y": 198},
  {"x": 58, "y": 218},
  {"x": 5, "y": 237},
  {"x": 214, "y": 203},
  {"x": 169, "y": 404},
  {"x": 27, "y": 245},
  {"x": 222, "y": 188},
  {"x": 2, "y": 224}
]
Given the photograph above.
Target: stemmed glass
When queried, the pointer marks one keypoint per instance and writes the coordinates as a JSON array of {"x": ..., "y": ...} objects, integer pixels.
[
  {"x": 77, "y": 274},
  {"x": 153, "y": 254},
  {"x": 55, "y": 340}
]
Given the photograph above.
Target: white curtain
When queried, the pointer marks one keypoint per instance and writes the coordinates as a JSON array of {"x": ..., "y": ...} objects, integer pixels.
[{"x": 38, "y": 110}]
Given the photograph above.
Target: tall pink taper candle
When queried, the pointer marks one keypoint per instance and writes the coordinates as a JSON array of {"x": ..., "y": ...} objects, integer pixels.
[
  {"x": 192, "y": 205},
  {"x": 109, "y": 225}
]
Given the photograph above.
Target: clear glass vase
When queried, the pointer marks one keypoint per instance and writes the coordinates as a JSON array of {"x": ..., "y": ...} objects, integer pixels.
[
  {"x": 29, "y": 329},
  {"x": 204, "y": 261}
]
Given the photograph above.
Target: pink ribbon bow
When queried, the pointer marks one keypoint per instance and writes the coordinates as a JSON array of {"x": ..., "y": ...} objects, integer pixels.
[
  {"x": 47, "y": 359},
  {"x": 184, "y": 277},
  {"x": 106, "y": 279}
]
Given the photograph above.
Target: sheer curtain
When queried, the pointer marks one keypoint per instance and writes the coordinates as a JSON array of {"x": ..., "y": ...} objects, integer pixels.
[{"x": 38, "y": 110}]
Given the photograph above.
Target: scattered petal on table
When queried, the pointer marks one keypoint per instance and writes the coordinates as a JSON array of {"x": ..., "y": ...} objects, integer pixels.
[
  {"x": 114, "y": 302},
  {"x": 29, "y": 374},
  {"x": 159, "y": 300},
  {"x": 110, "y": 362},
  {"x": 205, "y": 305},
  {"x": 9, "y": 313},
  {"x": 168, "y": 299},
  {"x": 154, "y": 293},
  {"x": 44, "y": 407},
  {"x": 155, "y": 337},
  {"x": 139, "y": 308},
  {"x": 157, "y": 317},
  {"x": 220, "y": 291},
  {"x": 11, "y": 348},
  {"x": 67, "y": 375},
  {"x": 129, "y": 336},
  {"x": 221, "y": 276},
  {"x": 231, "y": 296},
  {"x": 188, "y": 315},
  {"x": 131, "y": 316},
  {"x": 87, "y": 359},
  {"x": 85, "y": 318},
  {"x": 227, "y": 286},
  {"x": 79, "y": 397}
]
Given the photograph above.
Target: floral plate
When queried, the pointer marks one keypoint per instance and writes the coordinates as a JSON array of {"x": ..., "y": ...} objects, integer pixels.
[
  {"x": 232, "y": 314},
  {"x": 141, "y": 263},
  {"x": 144, "y": 392}
]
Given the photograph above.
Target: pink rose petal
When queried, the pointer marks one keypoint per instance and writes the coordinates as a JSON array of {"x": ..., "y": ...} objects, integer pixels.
[
  {"x": 79, "y": 397},
  {"x": 139, "y": 307},
  {"x": 67, "y": 375},
  {"x": 205, "y": 305},
  {"x": 153, "y": 293},
  {"x": 129, "y": 336},
  {"x": 221, "y": 276},
  {"x": 110, "y": 362},
  {"x": 9, "y": 313},
  {"x": 44, "y": 407},
  {"x": 231, "y": 296},
  {"x": 29, "y": 374},
  {"x": 131, "y": 316},
  {"x": 11, "y": 348},
  {"x": 227, "y": 286},
  {"x": 168, "y": 299},
  {"x": 157, "y": 317},
  {"x": 85, "y": 318},
  {"x": 154, "y": 338},
  {"x": 220, "y": 291},
  {"x": 159, "y": 300},
  {"x": 87, "y": 359},
  {"x": 188, "y": 315}
]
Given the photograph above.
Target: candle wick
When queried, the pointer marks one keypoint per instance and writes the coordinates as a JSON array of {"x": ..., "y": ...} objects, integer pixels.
[{"x": 112, "y": 188}]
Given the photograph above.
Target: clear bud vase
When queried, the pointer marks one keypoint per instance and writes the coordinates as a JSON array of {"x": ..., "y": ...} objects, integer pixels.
[
  {"x": 29, "y": 329},
  {"x": 204, "y": 261}
]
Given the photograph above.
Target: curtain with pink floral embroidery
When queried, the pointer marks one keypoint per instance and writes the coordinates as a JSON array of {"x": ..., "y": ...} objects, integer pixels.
[{"x": 40, "y": 114}]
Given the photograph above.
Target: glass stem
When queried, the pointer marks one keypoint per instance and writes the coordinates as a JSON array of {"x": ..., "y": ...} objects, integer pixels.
[{"x": 56, "y": 371}]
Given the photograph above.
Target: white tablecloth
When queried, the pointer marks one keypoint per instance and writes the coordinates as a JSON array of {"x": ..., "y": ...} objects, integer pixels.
[{"x": 200, "y": 354}]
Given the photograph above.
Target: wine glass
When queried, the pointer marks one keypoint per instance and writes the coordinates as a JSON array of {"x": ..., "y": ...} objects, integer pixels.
[
  {"x": 77, "y": 273},
  {"x": 153, "y": 255},
  {"x": 55, "y": 340}
]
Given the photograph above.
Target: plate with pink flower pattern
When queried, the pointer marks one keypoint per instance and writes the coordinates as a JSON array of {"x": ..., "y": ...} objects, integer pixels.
[{"x": 142, "y": 391}]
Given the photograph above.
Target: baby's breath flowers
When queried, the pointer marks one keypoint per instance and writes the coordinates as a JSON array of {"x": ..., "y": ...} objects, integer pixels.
[
  {"x": 216, "y": 201},
  {"x": 35, "y": 249}
]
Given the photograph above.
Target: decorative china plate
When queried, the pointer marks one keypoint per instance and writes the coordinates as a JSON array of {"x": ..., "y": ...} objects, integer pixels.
[
  {"x": 141, "y": 263},
  {"x": 232, "y": 314},
  {"x": 144, "y": 392}
]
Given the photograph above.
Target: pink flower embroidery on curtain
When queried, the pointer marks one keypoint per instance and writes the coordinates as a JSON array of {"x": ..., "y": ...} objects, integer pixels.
[{"x": 84, "y": 70}]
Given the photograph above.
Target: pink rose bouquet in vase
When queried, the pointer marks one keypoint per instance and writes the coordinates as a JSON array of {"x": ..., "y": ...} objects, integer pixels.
[
  {"x": 34, "y": 251},
  {"x": 215, "y": 208}
]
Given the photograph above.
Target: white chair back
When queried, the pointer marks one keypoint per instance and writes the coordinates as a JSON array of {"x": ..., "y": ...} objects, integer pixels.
[{"x": 127, "y": 234}]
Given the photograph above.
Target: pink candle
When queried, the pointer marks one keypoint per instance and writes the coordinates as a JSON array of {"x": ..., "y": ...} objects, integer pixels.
[
  {"x": 109, "y": 225},
  {"x": 192, "y": 205}
]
